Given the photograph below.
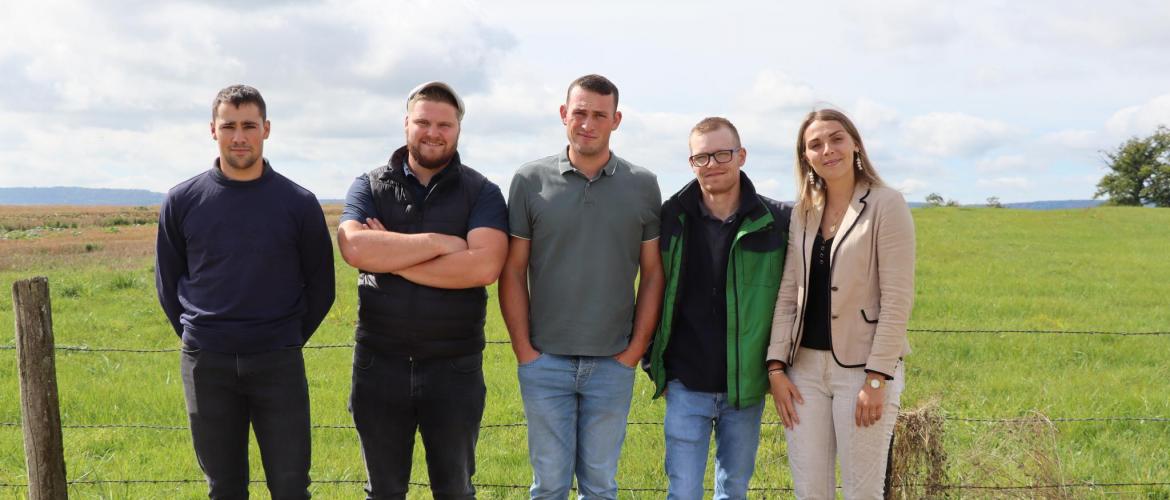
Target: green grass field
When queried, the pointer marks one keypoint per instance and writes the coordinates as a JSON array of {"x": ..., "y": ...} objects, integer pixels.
[{"x": 1100, "y": 269}]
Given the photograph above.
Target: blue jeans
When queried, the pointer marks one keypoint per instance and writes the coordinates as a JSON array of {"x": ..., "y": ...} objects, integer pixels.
[
  {"x": 576, "y": 407},
  {"x": 225, "y": 394},
  {"x": 690, "y": 416},
  {"x": 443, "y": 398}
]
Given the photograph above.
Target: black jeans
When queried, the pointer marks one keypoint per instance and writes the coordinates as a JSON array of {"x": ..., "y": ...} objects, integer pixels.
[
  {"x": 442, "y": 398},
  {"x": 226, "y": 392}
]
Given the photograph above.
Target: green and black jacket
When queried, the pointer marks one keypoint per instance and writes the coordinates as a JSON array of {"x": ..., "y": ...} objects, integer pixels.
[{"x": 754, "y": 266}]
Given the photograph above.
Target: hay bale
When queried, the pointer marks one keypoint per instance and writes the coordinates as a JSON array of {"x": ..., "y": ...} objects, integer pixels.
[{"x": 919, "y": 463}]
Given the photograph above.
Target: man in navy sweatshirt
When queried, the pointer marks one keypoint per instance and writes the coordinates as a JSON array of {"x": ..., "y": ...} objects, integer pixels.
[{"x": 245, "y": 275}]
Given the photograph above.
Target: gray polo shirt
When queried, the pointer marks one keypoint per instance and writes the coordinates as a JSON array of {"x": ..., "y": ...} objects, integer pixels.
[{"x": 586, "y": 240}]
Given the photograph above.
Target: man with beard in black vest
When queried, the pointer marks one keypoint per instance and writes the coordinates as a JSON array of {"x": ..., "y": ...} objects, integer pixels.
[{"x": 427, "y": 234}]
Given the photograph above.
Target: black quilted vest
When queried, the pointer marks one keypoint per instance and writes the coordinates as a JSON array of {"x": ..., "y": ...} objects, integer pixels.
[{"x": 397, "y": 317}]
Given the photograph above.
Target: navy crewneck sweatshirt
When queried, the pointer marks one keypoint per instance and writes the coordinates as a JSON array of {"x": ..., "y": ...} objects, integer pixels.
[{"x": 243, "y": 266}]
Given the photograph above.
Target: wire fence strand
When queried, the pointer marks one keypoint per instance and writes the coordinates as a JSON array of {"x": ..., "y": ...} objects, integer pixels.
[
  {"x": 1008, "y": 420},
  {"x": 1040, "y": 332},
  {"x": 89, "y": 349},
  {"x": 643, "y": 489}
]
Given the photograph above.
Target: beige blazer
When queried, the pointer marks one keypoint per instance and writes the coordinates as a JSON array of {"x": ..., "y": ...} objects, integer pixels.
[{"x": 872, "y": 281}]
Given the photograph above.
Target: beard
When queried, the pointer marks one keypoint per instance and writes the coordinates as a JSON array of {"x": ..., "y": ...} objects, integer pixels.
[
  {"x": 432, "y": 162},
  {"x": 240, "y": 163}
]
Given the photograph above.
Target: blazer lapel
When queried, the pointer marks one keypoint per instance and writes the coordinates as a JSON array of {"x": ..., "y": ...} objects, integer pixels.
[{"x": 856, "y": 207}]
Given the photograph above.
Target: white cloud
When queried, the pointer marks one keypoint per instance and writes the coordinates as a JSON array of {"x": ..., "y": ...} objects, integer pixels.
[
  {"x": 125, "y": 90},
  {"x": 773, "y": 91},
  {"x": 1005, "y": 182},
  {"x": 117, "y": 93},
  {"x": 910, "y": 186},
  {"x": 516, "y": 101},
  {"x": 104, "y": 157},
  {"x": 1140, "y": 120},
  {"x": 897, "y": 24},
  {"x": 1073, "y": 139},
  {"x": 870, "y": 115},
  {"x": 1139, "y": 24},
  {"x": 774, "y": 188},
  {"x": 954, "y": 134},
  {"x": 1007, "y": 163}
]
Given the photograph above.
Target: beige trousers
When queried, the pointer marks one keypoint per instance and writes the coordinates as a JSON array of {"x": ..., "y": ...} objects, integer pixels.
[{"x": 827, "y": 431}]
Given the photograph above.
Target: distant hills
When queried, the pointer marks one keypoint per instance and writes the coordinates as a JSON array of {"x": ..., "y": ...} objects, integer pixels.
[
  {"x": 1055, "y": 204},
  {"x": 1035, "y": 205},
  {"x": 88, "y": 196},
  {"x": 137, "y": 197},
  {"x": 78, "y": 196}
]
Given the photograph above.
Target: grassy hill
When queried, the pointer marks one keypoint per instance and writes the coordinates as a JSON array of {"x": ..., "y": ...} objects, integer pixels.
[{"x": 1088, "y": 270}]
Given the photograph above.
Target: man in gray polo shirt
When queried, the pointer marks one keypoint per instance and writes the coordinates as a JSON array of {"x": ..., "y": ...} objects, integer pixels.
[{"x": 584, "y": 223}]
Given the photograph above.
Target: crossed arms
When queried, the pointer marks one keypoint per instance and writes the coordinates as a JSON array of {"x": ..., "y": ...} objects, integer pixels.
[{"x": 430, "y": 259}]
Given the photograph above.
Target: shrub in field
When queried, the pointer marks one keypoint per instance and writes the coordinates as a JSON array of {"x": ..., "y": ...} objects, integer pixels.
[
  {"x": 60, "y": 225},
  {"x": 72, "y": 291},
  {"x": 1019, "y": 452},
  {"x": 26, "y": 234},
  {"x": 124, "y": 282}
]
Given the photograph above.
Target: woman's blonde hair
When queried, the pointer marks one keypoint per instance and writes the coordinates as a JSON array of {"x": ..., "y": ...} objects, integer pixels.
[{"x": 810, "y": 191}]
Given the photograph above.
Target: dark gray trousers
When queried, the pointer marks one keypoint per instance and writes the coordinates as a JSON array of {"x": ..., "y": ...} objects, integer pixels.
[
  {"x": 441, "y": 398},
  {"x": 227, "y": 392}
]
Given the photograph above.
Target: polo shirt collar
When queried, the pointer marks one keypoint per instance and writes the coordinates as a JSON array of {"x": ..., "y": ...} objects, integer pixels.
[
  {"x": 566, "y": 166},
  {"x": 707, "y": 213}
]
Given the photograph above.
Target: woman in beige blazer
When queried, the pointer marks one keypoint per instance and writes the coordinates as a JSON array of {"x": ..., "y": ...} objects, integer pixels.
[{"x": 839, "y": 328}]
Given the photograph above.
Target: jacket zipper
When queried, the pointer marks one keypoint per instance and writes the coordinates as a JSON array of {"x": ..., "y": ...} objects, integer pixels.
[{"x": 735, "y": 294}]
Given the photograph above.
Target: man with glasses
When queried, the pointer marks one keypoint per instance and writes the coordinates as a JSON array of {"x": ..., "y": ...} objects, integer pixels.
[
  {"x": 584, "y": 223},
  {"x": 723, "y": 248}
]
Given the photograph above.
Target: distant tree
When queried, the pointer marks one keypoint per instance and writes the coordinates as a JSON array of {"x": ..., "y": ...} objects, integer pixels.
[
  {"x": 993, "y": 202},
  {"x": 953, "y": 203},
  {"x": 934, "y": 200},
  {"x": 1140, "y": 171}
]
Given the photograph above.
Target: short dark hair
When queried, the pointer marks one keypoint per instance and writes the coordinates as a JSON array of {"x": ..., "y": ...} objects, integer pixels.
[
  {"x": 713, "y": 123},
  {"x": 597, "y": 84},
  {"x": 238, "y": 95}
]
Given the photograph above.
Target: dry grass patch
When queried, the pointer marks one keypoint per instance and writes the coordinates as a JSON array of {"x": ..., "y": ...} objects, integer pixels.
[
  {"x": 23, "y": 218},
  {"x": 35, "y": 238}
]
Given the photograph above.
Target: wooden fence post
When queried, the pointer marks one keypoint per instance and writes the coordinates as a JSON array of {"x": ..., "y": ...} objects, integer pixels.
[{"x": 40, "y": 410}]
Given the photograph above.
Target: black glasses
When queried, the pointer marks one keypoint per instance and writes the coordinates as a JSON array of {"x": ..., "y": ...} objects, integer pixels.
[{"x": 703, "y": 159}]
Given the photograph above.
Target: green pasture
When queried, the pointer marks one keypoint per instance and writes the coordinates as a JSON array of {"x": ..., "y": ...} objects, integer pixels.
[{"x": 1101, "y": 269}]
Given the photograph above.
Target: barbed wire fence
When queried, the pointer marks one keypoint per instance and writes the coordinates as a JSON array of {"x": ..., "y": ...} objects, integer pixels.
[{"x": 756, "y": 490}]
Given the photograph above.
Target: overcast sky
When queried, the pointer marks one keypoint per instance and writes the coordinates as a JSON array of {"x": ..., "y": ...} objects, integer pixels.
[{"x": 970, "y": 100}]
